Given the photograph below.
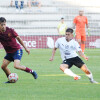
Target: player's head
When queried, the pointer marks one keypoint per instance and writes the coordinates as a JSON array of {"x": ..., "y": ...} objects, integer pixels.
[
  {"x": 2, "y": 24},
  {"x": 81, "y": 12},
  {"x": 62, "y": 20},
  {"x": 69, "y": 34}
]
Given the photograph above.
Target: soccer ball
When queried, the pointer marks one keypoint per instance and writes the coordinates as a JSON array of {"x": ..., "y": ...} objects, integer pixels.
[{"x": 13, "y": 77}]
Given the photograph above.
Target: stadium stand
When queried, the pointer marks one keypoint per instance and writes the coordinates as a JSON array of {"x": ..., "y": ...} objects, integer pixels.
[{"x": 45, "y": 22}]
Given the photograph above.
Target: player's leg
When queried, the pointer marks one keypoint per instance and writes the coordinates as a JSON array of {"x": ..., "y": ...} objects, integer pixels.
[
  {"x": 83, "y": 39},
  {"x": 29, "y": 3},
  {"x": 16, "y": 4},
  {"x": 22, "y": 4},
  {"x": 26, "y": 69},
  {"x": 17, "y": 57},
  {"x": 80, "y": 64},
  {"x": 83, "y": 46},
  {"x": 4, "y": 67},
  {"x": 67, "y": 71},
  {"x": 39, "y": 4},
  {"x": 88, "y": 73}
]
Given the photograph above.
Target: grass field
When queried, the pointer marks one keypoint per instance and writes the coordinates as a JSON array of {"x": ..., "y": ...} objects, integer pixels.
[{"x": 51, "y": 84}]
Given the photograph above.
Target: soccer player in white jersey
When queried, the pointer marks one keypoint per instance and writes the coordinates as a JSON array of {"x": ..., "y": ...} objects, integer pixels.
[{"x": 68, "y": 48}]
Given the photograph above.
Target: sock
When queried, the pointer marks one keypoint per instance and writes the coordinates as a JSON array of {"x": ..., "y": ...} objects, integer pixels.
[
  {"x": 8, "y": 74},
  {"x": 83, "y": 47},
  {"x": 90, "y": 76},
  {"x": 69, "y": 72},
  {"x": 16, "y": 4},
  {"x": 28, "y": 70}
]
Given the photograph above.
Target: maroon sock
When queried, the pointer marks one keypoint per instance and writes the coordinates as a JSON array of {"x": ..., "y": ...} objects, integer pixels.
[
  {"x": 28, "y": 70},
  {"x": 8, "y": 74}
]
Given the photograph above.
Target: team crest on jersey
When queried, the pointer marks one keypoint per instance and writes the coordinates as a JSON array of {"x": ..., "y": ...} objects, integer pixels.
[
  {"x": 66, "y": 46},
  {"x": 9, "y": 34},
  {"x": 72, "y": 47}
]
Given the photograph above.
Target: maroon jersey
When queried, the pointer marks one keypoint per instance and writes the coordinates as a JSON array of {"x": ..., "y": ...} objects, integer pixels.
[{"x": 8, "y": 40}]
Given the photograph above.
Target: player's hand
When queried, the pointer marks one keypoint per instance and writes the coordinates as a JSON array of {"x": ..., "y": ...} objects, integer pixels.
[
  {"x": 51, "y": 59},
  {"x": 27, "y": 50},
  {"x": 86, "y": 58}
]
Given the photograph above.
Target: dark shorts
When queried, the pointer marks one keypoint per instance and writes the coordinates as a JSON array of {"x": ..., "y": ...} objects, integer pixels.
[
  {"x": 74, "y": 61},
  {"x": 13, "y": 56}
]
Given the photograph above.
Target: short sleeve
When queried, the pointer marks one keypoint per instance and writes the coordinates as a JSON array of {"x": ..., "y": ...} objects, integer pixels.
[
  {"x": 57, "y": 44},
  {"x": 75, "y": 20},
  {"x": 14, "y": 34},
  {"x": 77, "y": 46}
]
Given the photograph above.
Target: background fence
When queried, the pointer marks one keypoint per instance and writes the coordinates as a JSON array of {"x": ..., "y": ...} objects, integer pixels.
[{"x": 38, "y": 26}]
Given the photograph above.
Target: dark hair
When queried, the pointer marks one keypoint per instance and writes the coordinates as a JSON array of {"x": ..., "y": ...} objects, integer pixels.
[
  {"x": 69, "y": 30},
  {"x": 2, "y": 19}
]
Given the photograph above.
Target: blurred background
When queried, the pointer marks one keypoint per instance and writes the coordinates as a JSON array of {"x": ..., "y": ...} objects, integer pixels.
[{"x": 36, "y": 22}]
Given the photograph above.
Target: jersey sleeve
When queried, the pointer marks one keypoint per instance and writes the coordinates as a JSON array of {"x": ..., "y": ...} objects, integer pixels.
[
  {"x": 14, "y": 34},
  {"x": 77, "y": 46},
  {"x": 57, "y": 44}
]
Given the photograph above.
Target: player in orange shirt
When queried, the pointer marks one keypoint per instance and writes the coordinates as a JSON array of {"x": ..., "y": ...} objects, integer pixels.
[{"x": 80, "y": 22}]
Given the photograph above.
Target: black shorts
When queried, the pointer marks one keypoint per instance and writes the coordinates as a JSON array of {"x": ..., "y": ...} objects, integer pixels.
[{"x": 74, "y": 61}]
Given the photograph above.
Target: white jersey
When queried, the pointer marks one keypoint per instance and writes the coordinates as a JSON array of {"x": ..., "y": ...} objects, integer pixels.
[{"x": 67, "y": 49}]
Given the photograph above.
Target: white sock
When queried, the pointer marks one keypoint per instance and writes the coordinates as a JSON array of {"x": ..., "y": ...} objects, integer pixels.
[
  {"x": 90, "y": 76},
  {"x": 69, "y": 72}
]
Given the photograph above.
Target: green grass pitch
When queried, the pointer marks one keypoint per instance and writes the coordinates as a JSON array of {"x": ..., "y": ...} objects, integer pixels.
[{"x": 51, "y": 84}]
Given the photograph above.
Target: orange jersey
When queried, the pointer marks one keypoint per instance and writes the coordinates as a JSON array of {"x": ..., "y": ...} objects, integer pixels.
[{"x": 80, "y": 22}]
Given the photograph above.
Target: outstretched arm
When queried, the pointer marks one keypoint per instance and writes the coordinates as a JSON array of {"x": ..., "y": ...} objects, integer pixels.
[
  {"x": 53, "y": 54},
  {"x": 21, "y": 42},
  {"x": 82, "y": 55}
]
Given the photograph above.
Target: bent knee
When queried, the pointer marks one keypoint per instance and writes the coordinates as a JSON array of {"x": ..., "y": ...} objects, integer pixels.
[
  {"x": 63, "y": 67},
  {"x": 16, "y": 66}
]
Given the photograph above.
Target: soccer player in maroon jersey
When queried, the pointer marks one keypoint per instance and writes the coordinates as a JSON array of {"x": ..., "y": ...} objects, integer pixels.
[{"x": 13, "y": 50}]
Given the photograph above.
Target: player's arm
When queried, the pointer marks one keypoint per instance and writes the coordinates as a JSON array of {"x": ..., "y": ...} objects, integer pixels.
[
  {"x": 74, "y": 29},
  {"x": 74, "y": 25},
  {"x": 74, "y": 22},
  {"x": 88, "y": 29},
  {"x": 21, "y": 42},
  {"x": 82, "y": 55},
  {"x": 78, "y": 49},
  {"x": 87, "y": 26},
  {"x": 53, "y": 54},
  {"x": 58, "y": 28}
]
